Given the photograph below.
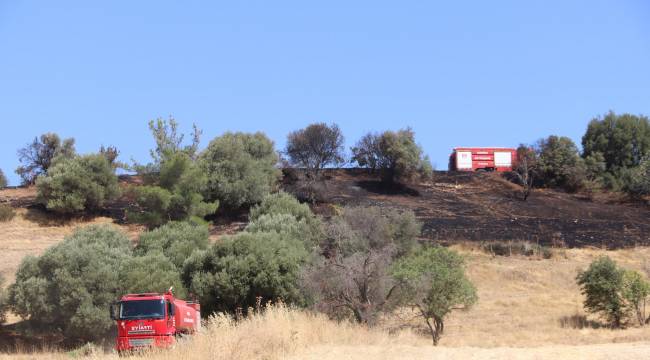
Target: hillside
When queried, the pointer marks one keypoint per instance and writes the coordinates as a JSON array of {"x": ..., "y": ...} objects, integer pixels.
[
  {"x": 528, "y": 307},
  {"x": 483, "y": 207}
]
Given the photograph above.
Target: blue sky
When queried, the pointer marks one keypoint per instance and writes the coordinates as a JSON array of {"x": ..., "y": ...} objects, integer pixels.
[{"x": 460, "y": 73}]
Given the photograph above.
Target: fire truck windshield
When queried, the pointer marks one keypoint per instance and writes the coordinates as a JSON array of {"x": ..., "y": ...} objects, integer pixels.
[{"x": 141, "y": 309}]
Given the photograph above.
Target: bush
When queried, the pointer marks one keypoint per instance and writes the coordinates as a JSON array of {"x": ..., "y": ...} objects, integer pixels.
[
  {"x": 433, "y": 281},
  {"x": 241, "y": 169},
  {"x": 235, "y": 272},
  {"x": 3, "y": 180},
  {"x": 6, "y": 212},
  {"x": 177, "y": 195},
  {"x": 268, "y": 216},
  {"x": 70, "y": 287},
  {"x": 635, "y": 290},
  {"x": 637, "y": 183},
  {"x": 601, "y": 285},
  {"x": 395, "y": 154},
  {"x": 176, "y": 240},
  {"x": 499, "y": 248},
  {"x": 152, "y": 272},
  {"x": 361, "y": 245},
  {"x": 37, "y": 157},
  {"x": 316, "y": 146},
  {"x": 560, "y": 164},
  {"x": 82, "y": 183}
]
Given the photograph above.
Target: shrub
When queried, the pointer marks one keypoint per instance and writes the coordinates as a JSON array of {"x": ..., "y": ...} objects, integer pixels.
[
  {"x": 176, "y": 240},
  {"x": 361, "y": 245},
  {"x": 177, "y": 195},
  {"x": 6, "y": 212},
  {"x": 559, "y": 163},
  {"x": 316, "y": 146},
  {"x": 37, "y": 157},
  {"x": 526, "y": 169},
  {"x": 395, "y": 154},
  {"x": 635, "y": 290},
  {"x": 601, "y": 285},
  {"x": 78, "y": 184},
  {"x": 235, "y": 272},
  {"x": 70, "y": 287},
  {"x": 637, "y": 183},
  {"x": 3, "y": 180},
  {"x": 241, "y": 169},
  {"x": 275, "y": 211},
  {"x": 152, "y": 272},
  {"x": 433, "y": 281}
]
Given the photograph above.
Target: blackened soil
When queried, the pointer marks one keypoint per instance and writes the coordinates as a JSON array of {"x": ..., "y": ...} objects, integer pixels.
[{"x": 485, "y": 207}]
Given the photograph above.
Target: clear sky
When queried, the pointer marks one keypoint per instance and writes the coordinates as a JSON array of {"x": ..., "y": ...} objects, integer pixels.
[{"x": 460, "y": 73}]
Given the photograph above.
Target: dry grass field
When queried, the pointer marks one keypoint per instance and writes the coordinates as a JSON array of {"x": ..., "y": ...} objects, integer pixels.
[
  {"x": 528, "y": 308},
  {"x": 281, "y": 333}
]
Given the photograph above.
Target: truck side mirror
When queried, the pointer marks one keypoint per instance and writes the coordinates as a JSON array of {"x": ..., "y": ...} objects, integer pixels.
[
  {"x": 113, "y": 311},
  {"x": 170, "y": 309}
]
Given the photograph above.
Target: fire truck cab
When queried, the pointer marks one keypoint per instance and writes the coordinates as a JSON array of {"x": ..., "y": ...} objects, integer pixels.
[{"x": 153, "y": 320}]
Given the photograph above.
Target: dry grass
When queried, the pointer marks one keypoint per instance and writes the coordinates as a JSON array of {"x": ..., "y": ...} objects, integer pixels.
[
  {"x": 532, "y": 302},
  {"x": 282, "y": 333},
  {"x": 30, "y": 232}
]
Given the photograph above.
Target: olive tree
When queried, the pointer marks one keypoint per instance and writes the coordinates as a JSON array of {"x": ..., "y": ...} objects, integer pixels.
[
  {"x": 395, "y": 154},
  {"x": 175, "y": 194},
  {"x": 433, "y": 282},
  {"x": 350, "y": 275},
  {"x": 622, "y": 140},
  {"x": 316, "y": 146},
  {"x": 80, "y": 183},
  {"x": 635, "y": 291},
  {"x": 70, "y": 286},
  {"x": 176, "y": 240},
  {"x": 601, "y": 285},
  {"x": 37, "y": 157},
  {"x": 559, "y": 163},
  {"x": 241, "y": 169},
  {"x": 242, "y": 270}
]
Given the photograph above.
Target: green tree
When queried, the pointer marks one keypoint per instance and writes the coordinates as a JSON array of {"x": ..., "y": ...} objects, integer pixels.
[
  {"x": 241, "y": 169},
  {"x": 236, "y": 271},
  {"x": 3, "y": 180},
  {"x": 635, "y": 291},
  {"x": 622, "y": 140},
  {"x": 37, "y": 157},
  {"x": 81, "y": 183},
  {"x": 601, "y": 285},
  {"x": 152, "y": 272},
  {"x": 395, "y": 154},
  {"x": 177, "y": 194},
  {"x": 433, "y": 282},
  {"x": 70, "y": 287},
  {"x": 560, "y": 164},
  {"x": 176, "y": 240},
  {"x": 316, "y": 146}
]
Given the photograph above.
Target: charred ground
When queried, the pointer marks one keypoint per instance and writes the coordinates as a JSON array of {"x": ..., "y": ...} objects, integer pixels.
[
  {"x": 453, "y": 207},
  {"x": 486, "y": 207}
]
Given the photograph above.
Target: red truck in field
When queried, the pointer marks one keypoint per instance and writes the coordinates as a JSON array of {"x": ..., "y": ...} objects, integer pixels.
[
  {"x": 482, "y": 159},
  {"x": 153, "y": 320}
]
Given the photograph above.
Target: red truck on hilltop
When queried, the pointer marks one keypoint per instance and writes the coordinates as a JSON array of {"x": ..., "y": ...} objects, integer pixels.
[
  {"x": 153, "y": 320},
  {"x": 482, "y": 159}
]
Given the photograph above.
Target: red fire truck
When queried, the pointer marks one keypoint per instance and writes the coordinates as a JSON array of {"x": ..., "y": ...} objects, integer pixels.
[
  {"x": 482, "y": 159},
  {"x": 153, "y": 320}
]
